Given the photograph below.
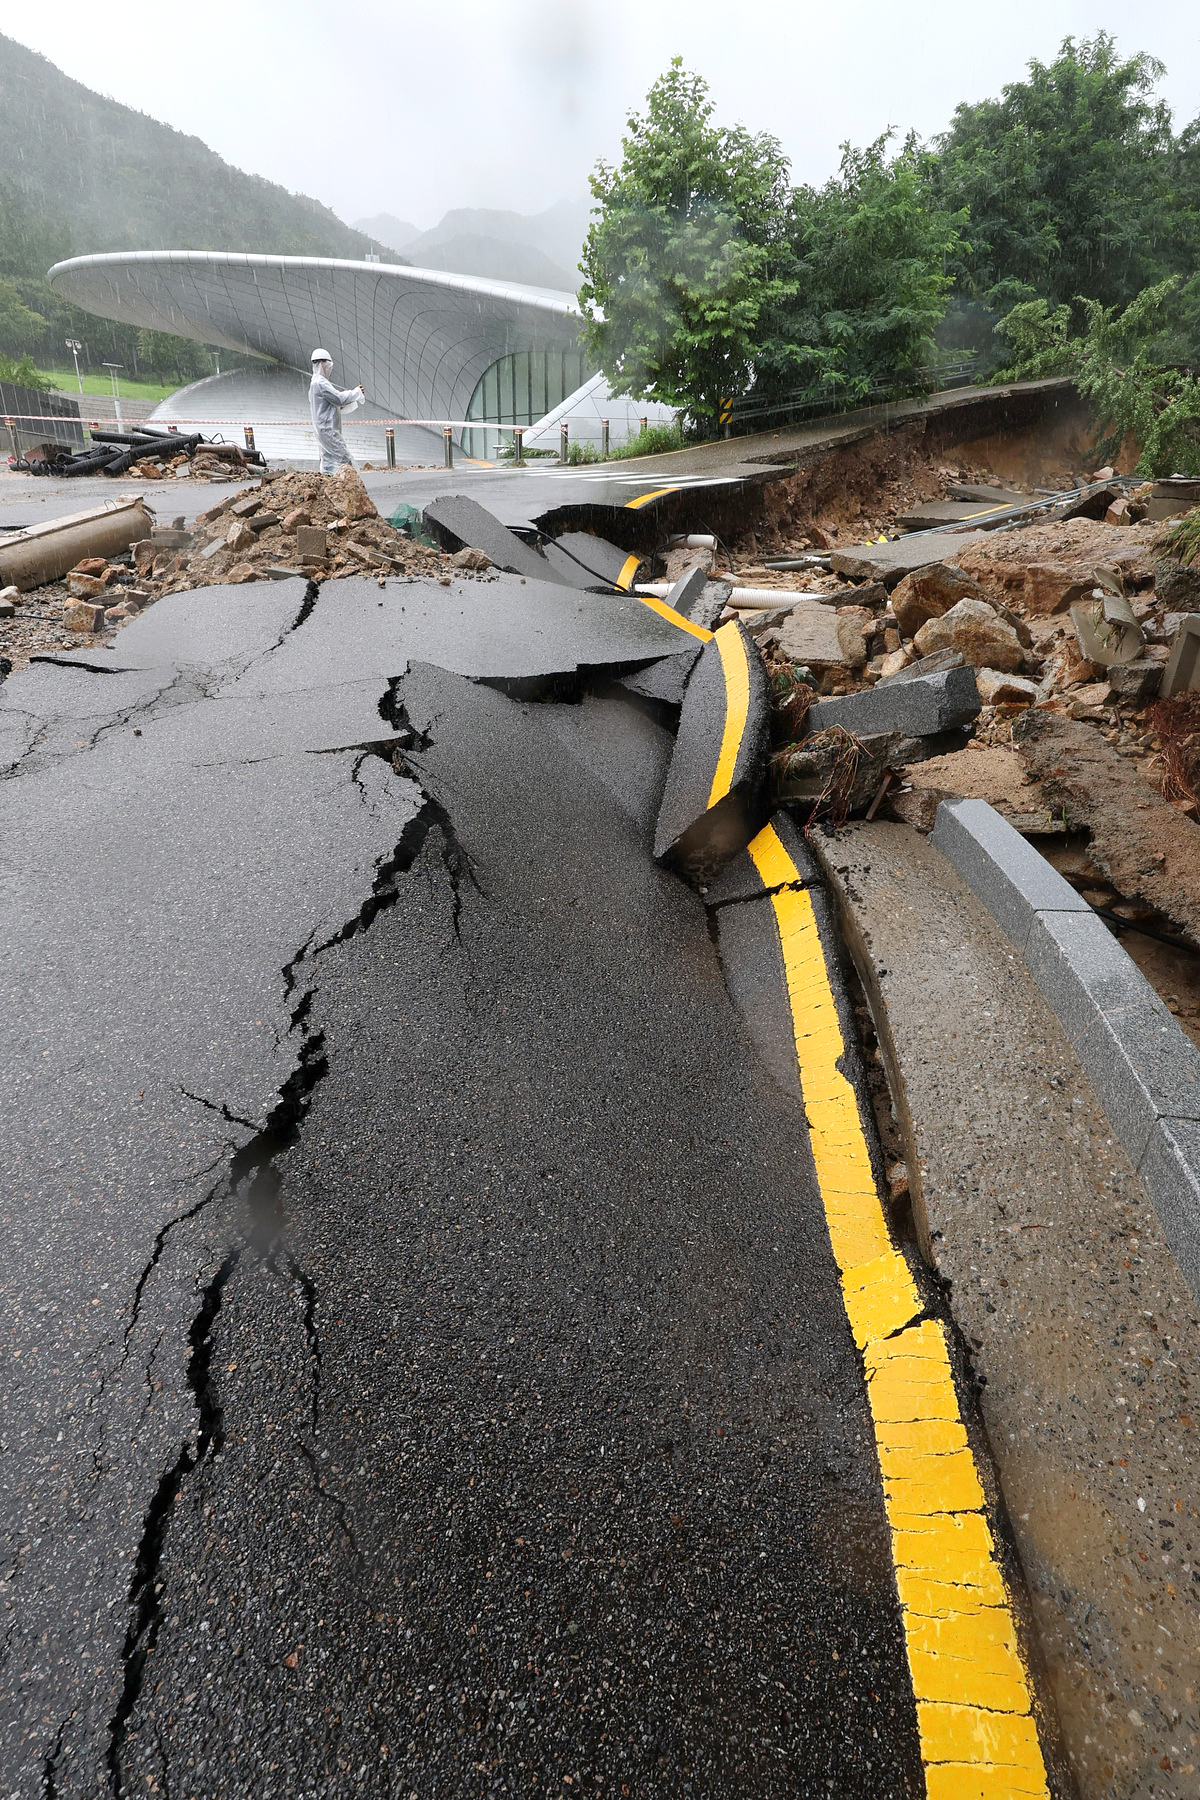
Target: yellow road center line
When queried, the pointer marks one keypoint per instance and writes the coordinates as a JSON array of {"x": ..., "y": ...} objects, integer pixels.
[
  {"x": 974, "y": 1709},
  {"x": 732, "y": 646},
  {"x": 628, "y": 570},
  {"x": 643, "y": 499},
  {"x": 668, "y": 612}
]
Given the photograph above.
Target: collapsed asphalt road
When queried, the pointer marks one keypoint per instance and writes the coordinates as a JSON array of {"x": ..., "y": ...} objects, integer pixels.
[{"x": 428, "y": 1368}]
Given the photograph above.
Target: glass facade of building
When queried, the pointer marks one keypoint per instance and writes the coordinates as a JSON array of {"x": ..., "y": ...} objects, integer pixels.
[{"x": 520, "y": 389}]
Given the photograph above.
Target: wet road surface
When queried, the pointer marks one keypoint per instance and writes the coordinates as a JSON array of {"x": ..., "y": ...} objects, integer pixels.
[{"x": 430, "y": 1374}]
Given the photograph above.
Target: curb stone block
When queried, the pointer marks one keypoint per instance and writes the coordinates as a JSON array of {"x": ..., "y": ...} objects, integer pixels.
[
  {"x": 1138, "y": 1061},
  {"x": 1170, "y": 1171},
  {"x": 1008, "y": 875},
  {"x": 1082, "y": 969}
]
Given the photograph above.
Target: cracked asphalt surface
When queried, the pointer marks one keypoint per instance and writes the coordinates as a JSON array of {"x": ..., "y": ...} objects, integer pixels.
[{"x": 427, "y": 1368}]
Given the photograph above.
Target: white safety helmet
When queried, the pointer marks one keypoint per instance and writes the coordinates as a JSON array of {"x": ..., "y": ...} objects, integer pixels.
[{"x": 320, "y": 356}]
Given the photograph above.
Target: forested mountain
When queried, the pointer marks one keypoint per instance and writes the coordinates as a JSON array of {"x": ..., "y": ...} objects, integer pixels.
[{"x": 108, "y": 178}]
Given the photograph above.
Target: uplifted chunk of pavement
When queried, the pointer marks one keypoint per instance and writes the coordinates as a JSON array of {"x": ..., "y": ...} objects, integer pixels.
[
  {"x": 710, "y": 804},
  {"x": 459, "y": 521},
  {"x": 504, "y": 629},
  {"x": 588, "y": 561}
]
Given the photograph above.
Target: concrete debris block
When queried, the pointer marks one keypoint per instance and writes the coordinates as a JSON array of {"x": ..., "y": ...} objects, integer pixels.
[
  {"x": 468, "y": 558},
  {"x": 349, "y": 494},
  {"x": 82, "y": 615},
  {"x": 292, "y": 521},
  {"x": 1136, "y": 683},
  {"x": 206, "y": 555},
  {"x": 711, "y": 801},
  {"x": 895, "y": 662},
  {"x": 83, "y": 587},
  {"x": 242, "y": 571},
  {"x": 91, "y": 565},
  {"x": 687, "y": 590},
  {"x": 890, "y": 562},
  {"x": 996, "y": 688},
  {"x": 262, "y": 521},
  {"x": 1177, "y": 586},
  {"x": 814, "y": 635},
  {"x": 976, "y": 630},
  {"x": 1013, "y": 881},
  {"x": 682, "y": 558},
  {"x": 8, "y": 605},
  {"x": 929, "y": 665},
  {"x": 917, "y": 708},
  {"x": 1107, "y": 631},
  {"x": 239, "y": 537},
  {"x": 245, "y": 506},
  {"x": 312, "y": 543},
  {"x": 168, "y": 539},
  {"x": 1183, "y": 668},
  {"x": 144, "y": 553},
  {"x": 1118, "y": 513}
]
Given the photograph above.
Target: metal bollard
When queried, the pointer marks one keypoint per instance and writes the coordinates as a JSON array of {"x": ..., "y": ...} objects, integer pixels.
[
  {"x": 604, "y": 439},
  {"x": 390, "y": 439},
  {"x": 448, "y": 443},
  {"x": 645, "y": 424},
  {"x": 12, "y": 436},
  {"x": 519, "y": 447},
  {"x": 564, "y": 442},
  {"x": 249, "y": 437}
]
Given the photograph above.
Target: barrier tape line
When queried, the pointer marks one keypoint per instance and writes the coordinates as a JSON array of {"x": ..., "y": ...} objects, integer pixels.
[{"x": 978, "y": 1736}]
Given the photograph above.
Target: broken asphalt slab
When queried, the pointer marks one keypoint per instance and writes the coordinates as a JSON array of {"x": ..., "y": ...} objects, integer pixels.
[
  {"x": 711, "y": 800},
  {"x": 458, "y": 521},
  {"x": 586, "y": 560},
  {"x": 890, "y": 562}
]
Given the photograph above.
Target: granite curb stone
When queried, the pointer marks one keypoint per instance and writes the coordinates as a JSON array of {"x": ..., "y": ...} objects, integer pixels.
[{"x": 1142, "y": 1067}]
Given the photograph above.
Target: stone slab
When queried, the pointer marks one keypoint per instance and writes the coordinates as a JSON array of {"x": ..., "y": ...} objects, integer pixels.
[
  {"x": 890, "y": 562},
  {"x": 918, "y": 708}
]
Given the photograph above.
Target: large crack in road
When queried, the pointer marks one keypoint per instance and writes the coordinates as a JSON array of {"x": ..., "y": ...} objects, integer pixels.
[{"x": 423, "y": 1273}]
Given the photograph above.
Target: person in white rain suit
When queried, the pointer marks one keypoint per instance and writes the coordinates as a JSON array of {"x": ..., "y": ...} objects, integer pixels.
[{"x": 325, "y": 402}]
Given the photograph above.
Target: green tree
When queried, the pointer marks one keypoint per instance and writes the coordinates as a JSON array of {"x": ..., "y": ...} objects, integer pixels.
[
  {"x": 1073, "y": 181},
  {"x": 688, "y": 252},
  {"x": 1115, "y": 362},
  {"x": 20, "y": 327},
  {"x": 869, "y": 277}
]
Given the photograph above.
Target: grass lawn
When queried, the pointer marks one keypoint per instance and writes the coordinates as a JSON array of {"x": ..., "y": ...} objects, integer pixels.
[{"x": 100, "y": 384}]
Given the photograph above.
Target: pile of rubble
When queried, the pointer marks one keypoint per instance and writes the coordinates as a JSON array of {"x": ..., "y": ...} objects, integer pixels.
[{"x": 289, "y": 524}]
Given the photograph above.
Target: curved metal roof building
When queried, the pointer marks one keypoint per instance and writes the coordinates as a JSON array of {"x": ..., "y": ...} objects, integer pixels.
[{"x": 419, "y": 340}]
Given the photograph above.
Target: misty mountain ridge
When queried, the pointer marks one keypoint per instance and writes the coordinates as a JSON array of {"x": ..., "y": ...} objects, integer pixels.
[
  {"x": 108, "y": 178},
  {"x": 534, "y": 250}
]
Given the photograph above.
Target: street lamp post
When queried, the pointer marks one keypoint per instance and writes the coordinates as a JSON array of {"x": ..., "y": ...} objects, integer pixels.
[
  {"x": 74, "y": 346},
  {"x": 112, "y": 369}
]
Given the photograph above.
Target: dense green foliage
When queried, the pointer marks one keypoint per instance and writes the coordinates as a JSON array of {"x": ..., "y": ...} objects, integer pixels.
[
  {"x": 868, "y": 286},
  {"x": 1115, "y": 363},
  {"x": 1074, "y": 182},
  {"x": 24, "y": 372},
  {"x": 708, "y": 275},
  {"x": 687, "y": 253}
]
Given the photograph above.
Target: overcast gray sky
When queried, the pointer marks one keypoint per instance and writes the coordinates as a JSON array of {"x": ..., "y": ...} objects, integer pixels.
[{"x": 415, "y": 106}]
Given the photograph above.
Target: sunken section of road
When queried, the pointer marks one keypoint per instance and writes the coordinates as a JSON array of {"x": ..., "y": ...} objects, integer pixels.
[{"x": 431, "y": 1359}]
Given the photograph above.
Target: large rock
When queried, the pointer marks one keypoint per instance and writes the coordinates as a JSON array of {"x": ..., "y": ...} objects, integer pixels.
[
  {"x": 1177, "y": 586},
  {"x": 919, "y": 707},
  {"x": 821, "y": 638},
  {"x": 928, "y": 593},
  {"x": 348, "y": 492},
  {"x": 974, "y": 629}
]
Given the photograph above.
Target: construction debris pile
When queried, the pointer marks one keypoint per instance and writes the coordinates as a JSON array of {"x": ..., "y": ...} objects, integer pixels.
[
  {"x": 290, "y": 524},
  {"x": 147, "y": 453}
]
